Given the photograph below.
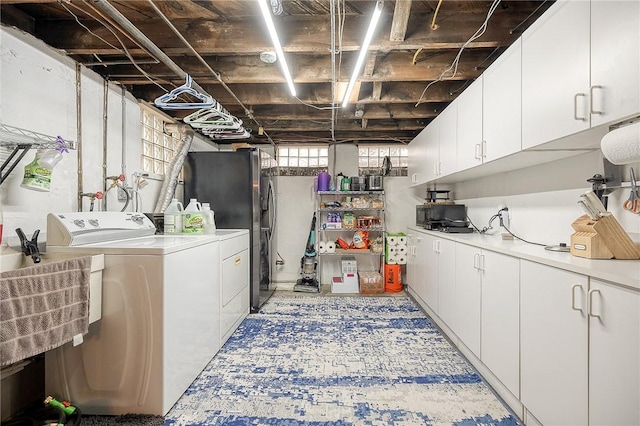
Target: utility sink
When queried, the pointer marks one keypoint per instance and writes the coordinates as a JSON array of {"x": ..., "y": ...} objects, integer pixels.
[{"x": 11, "y": 259}]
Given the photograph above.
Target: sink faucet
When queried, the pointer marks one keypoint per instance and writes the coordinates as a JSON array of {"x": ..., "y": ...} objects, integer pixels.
[{"x": 30, "y": 247}]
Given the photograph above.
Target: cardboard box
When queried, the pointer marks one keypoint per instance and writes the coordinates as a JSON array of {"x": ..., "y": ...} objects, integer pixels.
[{"x": 371, "y": 283}]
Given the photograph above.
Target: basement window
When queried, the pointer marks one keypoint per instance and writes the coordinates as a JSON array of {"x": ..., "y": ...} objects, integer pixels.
[
  {"x": 302, "y": 161},
  {"x": 371, "y": 158},
  {"x": 158, "y": 148}
]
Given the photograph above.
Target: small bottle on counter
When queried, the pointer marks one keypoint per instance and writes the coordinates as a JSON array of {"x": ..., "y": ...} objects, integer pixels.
[
  {"x": 209, "y": 219},
  {"x": 193, "y": 218},
  {"x": 173, "y": 217}
]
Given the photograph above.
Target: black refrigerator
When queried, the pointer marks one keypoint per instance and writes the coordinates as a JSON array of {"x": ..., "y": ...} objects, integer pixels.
[{"x": 240, "y": 187}]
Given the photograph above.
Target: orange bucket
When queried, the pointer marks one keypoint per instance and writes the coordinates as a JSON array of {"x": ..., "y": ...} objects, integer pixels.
[{"x": 392, "y": 278}]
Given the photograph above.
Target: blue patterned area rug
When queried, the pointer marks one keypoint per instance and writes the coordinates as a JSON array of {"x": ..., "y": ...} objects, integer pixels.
[{"x": 330, "y": 360}]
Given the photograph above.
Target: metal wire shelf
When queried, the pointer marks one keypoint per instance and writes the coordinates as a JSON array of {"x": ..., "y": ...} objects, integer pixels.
[{"x": 20, "y": 141}]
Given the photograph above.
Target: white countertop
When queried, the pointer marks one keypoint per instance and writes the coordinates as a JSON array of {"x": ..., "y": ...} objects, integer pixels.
[{"x": 624, "y": 272}]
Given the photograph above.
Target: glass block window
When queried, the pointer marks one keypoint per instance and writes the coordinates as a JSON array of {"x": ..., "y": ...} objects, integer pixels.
[
  {"x": 303, "y": 160},
  {"x": 158, "y": 148},
  {"x": 371, "y": 157}
]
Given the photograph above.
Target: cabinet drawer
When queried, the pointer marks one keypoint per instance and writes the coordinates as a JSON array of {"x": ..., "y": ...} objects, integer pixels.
[
  {"x": 235, "y": 275},
  {"x": 234, "y": 245},
  {"x": 232, "y": 315}
]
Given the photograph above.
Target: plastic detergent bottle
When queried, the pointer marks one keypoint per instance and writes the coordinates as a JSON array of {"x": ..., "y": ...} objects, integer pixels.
[
  {"x": 37, "y": 174},
  {"x": 193, "y": 218},
  {"x": 209, "y": 219},
  {"x": 173, "y": 217}
]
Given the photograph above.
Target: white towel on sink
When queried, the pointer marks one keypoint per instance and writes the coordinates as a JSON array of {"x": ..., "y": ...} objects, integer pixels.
[{"x": 42, "y": 307}]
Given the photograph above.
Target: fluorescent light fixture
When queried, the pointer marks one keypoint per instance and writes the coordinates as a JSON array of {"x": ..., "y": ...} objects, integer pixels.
[
  {"x": 363, "y": 51},
  {"x": 276, "y": 44}
]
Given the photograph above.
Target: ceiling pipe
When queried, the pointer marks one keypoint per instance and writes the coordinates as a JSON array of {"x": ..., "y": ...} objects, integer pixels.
[
  {"x": 155, "y": 51},
  {"x": 122, "y": 20}
]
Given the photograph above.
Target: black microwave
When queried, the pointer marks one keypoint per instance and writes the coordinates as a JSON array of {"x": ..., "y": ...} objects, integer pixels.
[{"x": 433, "y": 216}]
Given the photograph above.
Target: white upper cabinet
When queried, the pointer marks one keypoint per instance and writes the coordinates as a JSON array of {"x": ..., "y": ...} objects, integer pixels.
[
  {"x": 502, "y": 105},
  {"x": 615, "y": 60},
  {"x": 470, "y": 144},
  {"x": 448, "y": 141},
  {"x": 555, "y": 74},
  {"x": 424, "y": 154}
]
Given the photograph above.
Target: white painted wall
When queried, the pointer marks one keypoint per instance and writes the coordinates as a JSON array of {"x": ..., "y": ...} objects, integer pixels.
[{"x": 38, "y": 88}]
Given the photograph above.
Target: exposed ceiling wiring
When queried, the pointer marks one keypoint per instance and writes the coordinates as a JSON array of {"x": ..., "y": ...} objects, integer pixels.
[
  {"x": 434, "y": 26},
  {"x": 124, "y": 49},
  {"x": 453, "y": 68}
]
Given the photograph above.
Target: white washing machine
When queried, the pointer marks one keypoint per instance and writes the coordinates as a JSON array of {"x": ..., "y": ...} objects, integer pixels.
[{"x": 160, "y": 314}]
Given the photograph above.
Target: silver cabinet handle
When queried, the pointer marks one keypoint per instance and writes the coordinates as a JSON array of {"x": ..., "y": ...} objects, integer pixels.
[
  {"x": 590, "y": 303},
  {"x": 593, "y": 111},
  {"x": 573, "y": 297},
  {"x": 483, "y": 150},
  {"x": 414, "y": 178},
  {"x": 477, "y": 154},
  {"x": 476, "y": 260},
  {"x": 575, "y": 107},
  {"x": 481, "y": 262}
]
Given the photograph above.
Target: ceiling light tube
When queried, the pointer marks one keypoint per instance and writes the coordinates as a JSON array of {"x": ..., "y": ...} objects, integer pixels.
[
  {"x": 363, "y": 51},
  {"x": 276, "y": 44}
]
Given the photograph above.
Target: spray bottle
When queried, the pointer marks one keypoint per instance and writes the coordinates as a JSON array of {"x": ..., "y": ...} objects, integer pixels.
[{"x": 37, "y": 174}]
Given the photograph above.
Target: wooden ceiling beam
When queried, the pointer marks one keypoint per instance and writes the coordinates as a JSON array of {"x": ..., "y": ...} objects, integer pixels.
[
  {"x": 400, "y": 21},
  {"x": 298, "y": 34}
]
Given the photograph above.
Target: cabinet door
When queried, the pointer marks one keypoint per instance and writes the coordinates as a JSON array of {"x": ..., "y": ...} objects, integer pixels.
[
  {"x": 415, "y": 280},
  {"x": 614, "y": 355},
  {"x": 418, "y": 157},
  {"x": 468, "y": 287},
  {"x": 448, "y": 140},
  {"x": 555, "y": 74},
  {"x": 432, "y": 164},
  {"x": 502, "y": 104},
  {"x": 428, "y": 248},
  {"x": 470, "y": 126},
  {"x": 615, "y": 60},
  {"x": 447, "y": 281},
  {"x": 553, "y": 344},
  {"x": 500, "y": 343}
]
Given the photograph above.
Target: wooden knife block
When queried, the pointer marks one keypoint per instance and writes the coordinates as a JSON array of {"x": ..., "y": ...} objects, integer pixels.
[{"x": 603, "y": 238}]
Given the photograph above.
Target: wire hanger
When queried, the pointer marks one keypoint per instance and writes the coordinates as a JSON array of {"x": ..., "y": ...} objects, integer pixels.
[
  {"x": 213, "y": 118},
  {"x": 165, "y": 101}
]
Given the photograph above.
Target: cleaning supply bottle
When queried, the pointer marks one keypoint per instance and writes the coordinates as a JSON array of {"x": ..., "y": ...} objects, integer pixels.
[
  {"x": 193, "y": 218},
  {"x": 173, "y": 217},
  {"x": 209, "y": 219},
  {"x": 37, "y": 174}
]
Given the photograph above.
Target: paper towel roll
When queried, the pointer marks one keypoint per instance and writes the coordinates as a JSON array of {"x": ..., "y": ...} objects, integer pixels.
[
  {"x": 622, "y": 146},
  {"x": 330, "y": 247},
  {"x": 322, "y": 247},
  {"x": 401, "y": 250},
  {"x": 391, "y": 260},
  {"x": 402, "y": 240},
  {"x": 401, "y": 259},
  {"x": 392, "y": 249},
  {"x": 392, "y": 241}
]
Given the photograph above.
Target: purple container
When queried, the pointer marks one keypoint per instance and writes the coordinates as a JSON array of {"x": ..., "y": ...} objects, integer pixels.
[{"x": 323, "y": 181}]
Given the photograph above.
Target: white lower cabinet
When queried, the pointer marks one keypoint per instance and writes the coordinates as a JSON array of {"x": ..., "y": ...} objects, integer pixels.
[
  {"x": 466, "y": 323},
  {"x": 416, "y": 264},
  {"x": 487, "y": 310},
  {"x": 614, "y": 355},
  {"x": 500, "y": 318},
  {"x": 553, "y": 344}
]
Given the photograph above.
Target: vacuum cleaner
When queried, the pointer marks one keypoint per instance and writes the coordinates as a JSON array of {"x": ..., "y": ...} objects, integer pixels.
[{"x": 308, "y": 281}]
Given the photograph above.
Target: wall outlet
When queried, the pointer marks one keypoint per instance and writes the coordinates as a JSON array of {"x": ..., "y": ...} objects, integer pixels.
[{"x": 504, "y": 218}]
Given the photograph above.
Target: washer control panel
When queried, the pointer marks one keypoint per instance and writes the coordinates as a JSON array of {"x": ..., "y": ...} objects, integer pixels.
[{"x": 79, "y": 228}]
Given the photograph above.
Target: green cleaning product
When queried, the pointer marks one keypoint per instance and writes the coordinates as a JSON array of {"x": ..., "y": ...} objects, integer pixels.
[
  {"x": 37, "y": 174},
  {"x": 193, "y": 218}
]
